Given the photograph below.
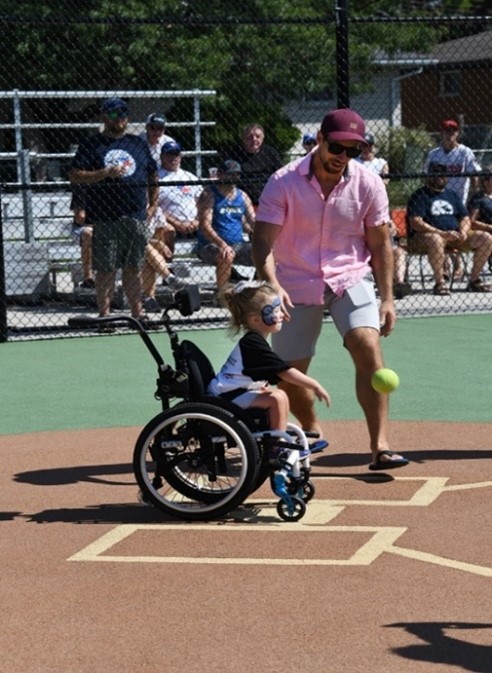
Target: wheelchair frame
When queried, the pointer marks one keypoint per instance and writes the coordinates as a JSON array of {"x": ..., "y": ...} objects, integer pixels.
[{"x": 202, "y": 456}]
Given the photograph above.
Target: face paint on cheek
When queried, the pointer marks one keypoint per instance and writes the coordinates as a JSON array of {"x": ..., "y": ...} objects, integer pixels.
[{"x": 268, "y": 312}]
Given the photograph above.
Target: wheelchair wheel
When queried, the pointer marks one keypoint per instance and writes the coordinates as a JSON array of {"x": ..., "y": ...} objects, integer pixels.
[
  {"x": 308, "y": 491},
  {"x": 293, "y": 512},
  {"x": 195, "y": 461}
]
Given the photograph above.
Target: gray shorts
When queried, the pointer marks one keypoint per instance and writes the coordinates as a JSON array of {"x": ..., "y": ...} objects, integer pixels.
[
  {"x": 210, "y": 252},
  {"x": 119, "y": 244},
  {"x": 357, "y": 307}
]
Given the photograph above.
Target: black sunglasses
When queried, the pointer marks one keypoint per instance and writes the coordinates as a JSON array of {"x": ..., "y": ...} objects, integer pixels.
[
  {"x": 117, "y": 114},
  {"x": 336, "y": 148}
]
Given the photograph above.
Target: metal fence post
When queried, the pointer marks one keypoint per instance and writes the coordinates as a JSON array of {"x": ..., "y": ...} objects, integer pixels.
[
  {"x": 342, "y": 53},
  {"x": 198, "y": 136},
  {"x": 3, "y": 298},
  {"x": 25, "y": 180}
]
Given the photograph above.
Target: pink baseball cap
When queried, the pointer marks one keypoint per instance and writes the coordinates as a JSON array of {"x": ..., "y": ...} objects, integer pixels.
[{"x": 344, "y": 124}]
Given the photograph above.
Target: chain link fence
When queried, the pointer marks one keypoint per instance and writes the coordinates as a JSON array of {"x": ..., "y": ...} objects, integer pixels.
[{"x": 207, "y": 75}]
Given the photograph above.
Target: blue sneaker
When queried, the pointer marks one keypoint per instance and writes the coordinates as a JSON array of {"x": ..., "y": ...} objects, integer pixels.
[
  {"x": 318, "y": 446},
  {"x": 280, "y": 485}
]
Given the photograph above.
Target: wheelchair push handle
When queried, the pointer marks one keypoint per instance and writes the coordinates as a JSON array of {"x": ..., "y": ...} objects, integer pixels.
[{"x": 91, "y": 321}]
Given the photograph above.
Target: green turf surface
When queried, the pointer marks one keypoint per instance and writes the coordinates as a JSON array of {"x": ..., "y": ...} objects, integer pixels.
[{"x": 444, "y": 365}]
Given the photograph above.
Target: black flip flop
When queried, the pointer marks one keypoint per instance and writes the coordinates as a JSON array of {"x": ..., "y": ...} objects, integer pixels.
[{"x": 387, "y": 464}]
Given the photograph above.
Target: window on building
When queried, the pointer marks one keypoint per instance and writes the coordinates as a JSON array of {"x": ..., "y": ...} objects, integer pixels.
[{"x": 450, "y": 83}]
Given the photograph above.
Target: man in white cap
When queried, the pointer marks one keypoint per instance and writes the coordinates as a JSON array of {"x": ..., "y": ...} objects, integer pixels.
[{"x": 322, "y": 238}]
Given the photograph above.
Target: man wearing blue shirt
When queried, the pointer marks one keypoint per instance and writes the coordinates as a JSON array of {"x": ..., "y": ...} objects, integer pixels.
[
  {"x": 121, "y": 195},
  {"x": 438, "y": 221}
]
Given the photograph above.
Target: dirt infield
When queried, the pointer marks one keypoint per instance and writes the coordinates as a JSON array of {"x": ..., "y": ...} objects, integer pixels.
[{"x": 387, "y": 573}]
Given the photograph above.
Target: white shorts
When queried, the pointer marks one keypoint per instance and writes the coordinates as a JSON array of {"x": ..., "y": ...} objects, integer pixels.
[
  {"x": 246, "y": 399},
  {"x": 357, "y": 307}
]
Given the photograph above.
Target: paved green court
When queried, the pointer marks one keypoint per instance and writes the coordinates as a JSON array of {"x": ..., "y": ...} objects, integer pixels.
[{"x": 444, "y": 365}]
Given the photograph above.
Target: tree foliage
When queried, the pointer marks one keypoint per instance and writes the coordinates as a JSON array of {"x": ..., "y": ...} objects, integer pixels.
[{"x": 257, "y": 54}]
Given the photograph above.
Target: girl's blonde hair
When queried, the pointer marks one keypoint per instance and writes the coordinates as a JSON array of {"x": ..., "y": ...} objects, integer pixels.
[{"x": 244, "y": 298}]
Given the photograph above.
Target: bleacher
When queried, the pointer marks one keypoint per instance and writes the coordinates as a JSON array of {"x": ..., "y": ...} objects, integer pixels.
[{"x": 44, "y": 262}]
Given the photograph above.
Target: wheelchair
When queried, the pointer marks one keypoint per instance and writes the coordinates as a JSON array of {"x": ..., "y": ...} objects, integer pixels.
[{"x": 202, "y": 456}]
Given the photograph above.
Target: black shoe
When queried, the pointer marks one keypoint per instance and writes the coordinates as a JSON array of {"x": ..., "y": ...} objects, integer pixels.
[
  {"x": 401, "y": 290},
  {"x": 151, "y": 305},
  {"x": 478, "y": 286},
  {"x": 236, "y": 276}
]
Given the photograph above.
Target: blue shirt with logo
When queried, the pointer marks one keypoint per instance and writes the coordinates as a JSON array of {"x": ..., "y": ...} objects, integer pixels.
[
  {"x": 116, "y": 197},
  {"x": 442, "y": 210},
  {"x": 227, "y": 218}
]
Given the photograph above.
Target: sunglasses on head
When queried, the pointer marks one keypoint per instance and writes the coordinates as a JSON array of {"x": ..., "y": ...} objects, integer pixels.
[
  {"x": 117, "y": 114},
  {"x": 336, "y": 148},
  {"x": 156, "y": 128}
]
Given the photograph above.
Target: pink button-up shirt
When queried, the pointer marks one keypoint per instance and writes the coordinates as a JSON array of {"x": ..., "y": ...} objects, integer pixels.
[{"x": 322, "y": 240}]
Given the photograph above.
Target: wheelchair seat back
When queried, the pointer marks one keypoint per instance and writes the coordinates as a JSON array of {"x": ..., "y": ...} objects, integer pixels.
[
  {"x": 198, "y": 367},
  {"x": 200, "y": 372}
]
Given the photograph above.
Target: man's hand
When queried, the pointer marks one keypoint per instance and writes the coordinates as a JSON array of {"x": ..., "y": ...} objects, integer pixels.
[
  {"x": 227, "y": 252},
  {"x": 115, "y": 171},
  {"x": 151, "y": 211},
  {"x": 387, "y": 318},
  {"x": 285, "y": 300}
]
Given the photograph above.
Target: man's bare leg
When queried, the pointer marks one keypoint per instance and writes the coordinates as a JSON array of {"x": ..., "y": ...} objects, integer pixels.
[
  {"x": 104, "y": 291},
  {"x": 133, "y": 289},
  {"x": 363, "y": 344},
  {"x": 302, "y": 400},
  {"x": 86, "y": 253}
]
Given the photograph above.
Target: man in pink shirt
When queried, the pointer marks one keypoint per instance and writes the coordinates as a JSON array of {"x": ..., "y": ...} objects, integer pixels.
[{"x": 322, "y": 238}]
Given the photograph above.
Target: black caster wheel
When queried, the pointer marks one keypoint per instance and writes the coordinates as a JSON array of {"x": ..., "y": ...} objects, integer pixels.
[
  {"x": 308, "y": 491},
  {"x": 293, "y": 513}
]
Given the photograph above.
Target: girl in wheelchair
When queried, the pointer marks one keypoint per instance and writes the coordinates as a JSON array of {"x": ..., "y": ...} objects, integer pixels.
[{"x": 252, "y": 367}]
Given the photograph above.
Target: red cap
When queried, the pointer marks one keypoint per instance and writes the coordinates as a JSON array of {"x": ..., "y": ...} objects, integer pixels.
[
  {"x": 450, "y": 124},
  {"x": 344, "y": 124}
]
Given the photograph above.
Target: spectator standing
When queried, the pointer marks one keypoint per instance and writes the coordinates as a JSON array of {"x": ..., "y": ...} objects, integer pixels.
[
  {"x": 257, "y": 159},
  {"x": 226, "y": 214},
  {"x": 380, "y": 166},
  {"x": 457, "y": 159},
  {"x": 121, "y": 191},
  {"x": 155, "y": 135},
  {"x": 438, "y": 220},
  {"x": 320, "y": 235}
]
